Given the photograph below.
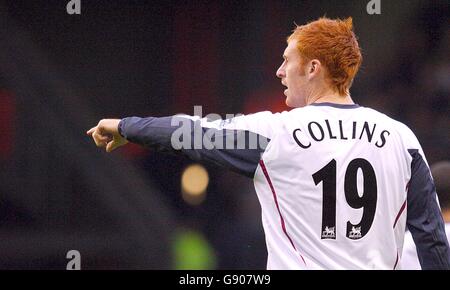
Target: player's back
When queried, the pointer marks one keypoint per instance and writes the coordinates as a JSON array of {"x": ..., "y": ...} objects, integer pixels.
[{"x": 332, "y": 183}]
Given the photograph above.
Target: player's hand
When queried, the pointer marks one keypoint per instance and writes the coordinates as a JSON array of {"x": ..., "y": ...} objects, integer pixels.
[{"x": 106, "y": 134}]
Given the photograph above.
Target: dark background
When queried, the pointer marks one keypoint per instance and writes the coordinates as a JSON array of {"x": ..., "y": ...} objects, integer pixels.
[{"x": 60, "y": 74}]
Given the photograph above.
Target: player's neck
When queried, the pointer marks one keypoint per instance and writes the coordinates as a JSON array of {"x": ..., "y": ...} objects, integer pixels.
[{"x": 330, "y": 96}]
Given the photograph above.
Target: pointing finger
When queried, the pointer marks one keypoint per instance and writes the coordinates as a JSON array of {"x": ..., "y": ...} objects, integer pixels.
[{"x": 90, "y": 131}]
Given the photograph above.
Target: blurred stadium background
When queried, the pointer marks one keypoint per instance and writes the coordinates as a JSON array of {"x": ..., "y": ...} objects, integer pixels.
[{"x": 135, "y": 209}]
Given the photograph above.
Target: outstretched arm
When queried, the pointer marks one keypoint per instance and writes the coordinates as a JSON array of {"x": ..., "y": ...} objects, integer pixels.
[{"x": 236, "y": 143}]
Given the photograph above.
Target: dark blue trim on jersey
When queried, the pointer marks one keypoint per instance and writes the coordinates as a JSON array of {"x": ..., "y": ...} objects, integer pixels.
[
  {"x": 339, "y": 106},
  {"x": 157, "y": 133},
  {"x": 424, "y": 218}
]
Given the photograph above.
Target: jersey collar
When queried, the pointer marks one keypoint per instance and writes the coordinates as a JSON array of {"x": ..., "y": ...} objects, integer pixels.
[{"x": 340, "y": 106}]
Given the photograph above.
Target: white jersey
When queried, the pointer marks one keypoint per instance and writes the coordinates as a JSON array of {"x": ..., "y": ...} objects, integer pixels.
[
  {"x": 335, "y": 183},
  {"x": 332, "y": 185}
]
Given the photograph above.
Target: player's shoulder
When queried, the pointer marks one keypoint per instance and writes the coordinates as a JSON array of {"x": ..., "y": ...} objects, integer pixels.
[
  {"x": 397, "y": 127},
  {"x": 364, "y": 113},
  {"x": 370, "y": 113}
]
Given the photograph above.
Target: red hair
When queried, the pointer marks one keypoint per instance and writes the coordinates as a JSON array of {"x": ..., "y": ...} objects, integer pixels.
[{"x": 334, "y": 44}]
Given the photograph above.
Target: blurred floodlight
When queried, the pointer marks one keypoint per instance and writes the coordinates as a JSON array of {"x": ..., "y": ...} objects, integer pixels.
[{"x": 194, "y": 182}]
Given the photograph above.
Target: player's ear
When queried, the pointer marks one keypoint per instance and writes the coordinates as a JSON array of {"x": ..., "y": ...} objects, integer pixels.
[{"x": 314, "y": 67}]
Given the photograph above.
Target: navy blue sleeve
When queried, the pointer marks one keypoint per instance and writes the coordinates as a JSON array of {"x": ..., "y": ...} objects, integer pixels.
[
  {"x": 237, "y": 150},
  {"x": 424, "y": 218}
]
